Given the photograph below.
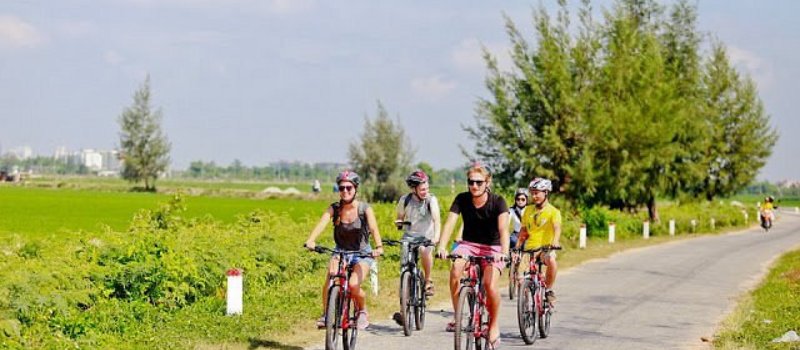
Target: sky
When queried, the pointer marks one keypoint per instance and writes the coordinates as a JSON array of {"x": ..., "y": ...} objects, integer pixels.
[{"x": 269, "y": 80}]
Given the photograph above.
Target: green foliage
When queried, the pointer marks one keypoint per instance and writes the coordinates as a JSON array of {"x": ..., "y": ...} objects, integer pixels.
[
  {"x": 622, "y": 112},
  {"x": 776, "y": 300},
  {"x": 144, "y": 147},
  {"x": 382, "y": 156}
]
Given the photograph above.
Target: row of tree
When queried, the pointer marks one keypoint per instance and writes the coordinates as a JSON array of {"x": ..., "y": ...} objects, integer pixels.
[{"x": 623, "y": 111}]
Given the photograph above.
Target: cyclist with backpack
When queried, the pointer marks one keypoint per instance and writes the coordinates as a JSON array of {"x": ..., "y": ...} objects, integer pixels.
[
  {"x": 515, "y": 214},
  {"x": 353, "y": 222},
  {"x": 485, "y": 217},
  {"x": 420, "y": 208}
]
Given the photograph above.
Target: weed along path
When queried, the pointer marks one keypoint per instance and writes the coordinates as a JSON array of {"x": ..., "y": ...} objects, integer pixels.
[{"x": 667, "y": 296}]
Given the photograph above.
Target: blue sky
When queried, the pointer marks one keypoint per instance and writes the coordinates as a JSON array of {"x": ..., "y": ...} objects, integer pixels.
[{"x": 268, "y": 80}]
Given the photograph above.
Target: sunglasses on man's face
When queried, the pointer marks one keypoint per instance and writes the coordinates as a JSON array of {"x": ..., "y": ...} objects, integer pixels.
[
  {"x": 471, "y": 182},
  {"x": 347, "y": 188}
]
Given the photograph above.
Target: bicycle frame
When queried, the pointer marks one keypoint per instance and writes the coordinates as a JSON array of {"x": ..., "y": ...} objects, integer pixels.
[
  {"x": 474, "y": 280},
  {"x": 336, "y": 281},
  {"x": 414, "y": 293}
]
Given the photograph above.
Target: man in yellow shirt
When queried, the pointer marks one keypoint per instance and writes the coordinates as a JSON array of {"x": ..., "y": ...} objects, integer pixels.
[{"x": 541, "y": 226}]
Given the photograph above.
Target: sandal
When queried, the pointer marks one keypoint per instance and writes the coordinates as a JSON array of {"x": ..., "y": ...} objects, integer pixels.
[
  {"x": 493, "y": 345},
  {"x": 321, "y": 322},
  {"x": 429, "y": 288},
  {"x": 451, "y": 326}
]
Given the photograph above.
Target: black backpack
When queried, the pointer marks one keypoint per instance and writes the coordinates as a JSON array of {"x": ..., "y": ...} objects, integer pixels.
[
  {"x": 362, "y": 215},
  {"x": 408, "y": 200}
]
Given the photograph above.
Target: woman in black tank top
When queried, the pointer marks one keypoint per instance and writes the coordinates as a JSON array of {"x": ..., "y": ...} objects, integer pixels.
[{"x": 353, "y": 222}]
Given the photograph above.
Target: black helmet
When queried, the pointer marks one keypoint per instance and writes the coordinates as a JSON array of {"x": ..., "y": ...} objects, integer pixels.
[
  {"x": 349, "y": 176},
  {"x": 416, "y": 178}
]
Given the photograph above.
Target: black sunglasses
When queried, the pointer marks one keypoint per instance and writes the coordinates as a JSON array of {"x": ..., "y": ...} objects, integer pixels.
[
  {"x": 475, "y": 182},
  {"x": 345, "y": 188}
]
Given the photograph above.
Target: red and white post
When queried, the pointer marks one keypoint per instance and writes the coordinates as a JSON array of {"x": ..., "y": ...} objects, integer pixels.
[{"x": 234, "y": 294}]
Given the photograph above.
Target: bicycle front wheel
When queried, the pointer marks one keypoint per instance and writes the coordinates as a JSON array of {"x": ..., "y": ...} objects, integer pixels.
[
  {"x": 333, "y": 317},
  {"x": 512, "y": 280},
  {"x": 464, "y": 321},
  {"x": 350, "y": 329},
  {"x": 545, "y": 314},
  {"x": 406, "y": 310},
  {"x": 420, "y": 302},
  {"x": 526, "y": 312}
]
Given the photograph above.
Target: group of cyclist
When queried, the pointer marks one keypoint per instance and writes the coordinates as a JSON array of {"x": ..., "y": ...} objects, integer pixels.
[{"x": 485, "y": 232}]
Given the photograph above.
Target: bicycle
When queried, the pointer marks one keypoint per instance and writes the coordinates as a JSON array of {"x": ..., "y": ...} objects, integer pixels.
[
  {"x": 532, "y": 310},
  {"x": 340, "y": 309},
  {"x": 513, "y": 272},
  {"x": 472, "y": 318},
  {"x": 413, "y": 299}
]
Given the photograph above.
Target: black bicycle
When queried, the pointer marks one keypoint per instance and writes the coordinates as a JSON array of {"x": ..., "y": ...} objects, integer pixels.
[{"x": 413, "y": 299}]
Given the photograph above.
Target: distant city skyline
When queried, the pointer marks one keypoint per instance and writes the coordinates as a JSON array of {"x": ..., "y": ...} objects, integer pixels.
[{"x": 269, "y": 80}]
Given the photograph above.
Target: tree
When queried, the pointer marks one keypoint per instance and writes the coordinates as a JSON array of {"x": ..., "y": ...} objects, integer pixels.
[
  {"x": 738, "y": 130},
  {"x": 144, "y": 146},
  {"x": 382, "y": 155}
]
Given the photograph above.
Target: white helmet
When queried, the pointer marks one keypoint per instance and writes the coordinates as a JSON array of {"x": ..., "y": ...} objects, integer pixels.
[{"x": 541, "y": 184}]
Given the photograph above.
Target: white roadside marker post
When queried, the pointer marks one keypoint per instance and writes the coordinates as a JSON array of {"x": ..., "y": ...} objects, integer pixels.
[{"x": 234, "y": 295}]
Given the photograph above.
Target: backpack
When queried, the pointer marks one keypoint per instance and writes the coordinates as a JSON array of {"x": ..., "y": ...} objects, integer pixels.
[
  {"x": 408, "y": 200},
  {"x": 362, "y": 215}
]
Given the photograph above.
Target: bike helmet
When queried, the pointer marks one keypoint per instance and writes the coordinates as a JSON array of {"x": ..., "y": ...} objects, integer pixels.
[
  {"x": 521, "y": 191},
  {"x": 416, "y": 178},
  {"x": 349, "y": 176},
  {"x": 541, "y": 184}
]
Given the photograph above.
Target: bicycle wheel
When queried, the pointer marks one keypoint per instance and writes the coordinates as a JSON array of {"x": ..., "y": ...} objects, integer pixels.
[
  {"x": 333, "y": 312},
  {"x": 464, "y": 335},
  {"x": 406, "y": 309},
  {"x": 526, "y": 312},
  {"x": 420, "y": 302},
  {"x": 512, "y": 280},
  {"x": 350, "y": 332},
  {"x": 545, "y": 315}
]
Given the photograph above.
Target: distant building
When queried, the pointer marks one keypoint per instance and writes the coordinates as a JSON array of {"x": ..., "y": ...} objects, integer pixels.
[
  {"x": 91, "y": 159},
  {"x": 111, "y": 161},
  {"x": 23, "y": 152}
]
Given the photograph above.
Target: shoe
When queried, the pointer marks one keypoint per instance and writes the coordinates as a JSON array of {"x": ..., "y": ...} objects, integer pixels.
[
  {"x": 321, "y": 322},
  {"x": 550, "y": 296},
  {"x": 362, "y": 322},
  {"x": 398, "y": 318},
  {"x": 429, "y": 288},
  {"x": 451, "y": 326}
]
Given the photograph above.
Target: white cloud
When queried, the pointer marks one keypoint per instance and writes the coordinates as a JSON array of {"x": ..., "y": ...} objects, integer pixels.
[
  {"x": 16, "y": 33},
  {"x": 468, "y": 56},
  {"x": 753, "y": 65},
  {"x": 432, "y": 88}
]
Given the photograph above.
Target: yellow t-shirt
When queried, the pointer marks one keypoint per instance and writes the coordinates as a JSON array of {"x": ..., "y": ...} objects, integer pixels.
[
  {"x": 767, "y": 206},
  {"x": 539, "y": 224}
]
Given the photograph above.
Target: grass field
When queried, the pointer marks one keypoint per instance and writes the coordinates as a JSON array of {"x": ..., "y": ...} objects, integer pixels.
[
  {"x": 89, "y": 265},
  {"x": 768, "y": 312}
]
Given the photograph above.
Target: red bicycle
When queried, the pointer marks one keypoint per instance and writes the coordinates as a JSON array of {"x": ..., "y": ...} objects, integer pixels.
[
  {"x": 472, "y": 318},
  {"x": 532, "y": 310},
  {"x": 340, "y": 309}
]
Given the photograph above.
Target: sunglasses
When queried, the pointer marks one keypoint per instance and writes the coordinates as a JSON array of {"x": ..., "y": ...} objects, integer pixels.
[
  {"x": 475, "y": 182},
  {"x": 343, "y": 188},
  {"x": 521, "y": 199}
]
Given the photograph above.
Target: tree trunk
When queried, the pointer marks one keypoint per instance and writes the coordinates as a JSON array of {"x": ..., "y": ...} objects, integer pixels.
[{"x": 652, "y": 211}]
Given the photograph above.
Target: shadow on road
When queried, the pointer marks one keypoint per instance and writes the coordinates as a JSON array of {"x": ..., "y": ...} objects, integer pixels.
[{"x": 270, "y": 344}]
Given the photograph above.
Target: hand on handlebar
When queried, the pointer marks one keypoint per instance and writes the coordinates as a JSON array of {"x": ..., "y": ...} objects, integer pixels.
[{"x": 310, "y": 245}]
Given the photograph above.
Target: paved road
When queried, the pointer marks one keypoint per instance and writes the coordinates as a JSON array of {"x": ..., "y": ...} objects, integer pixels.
[{"x": 660, "y": 297}]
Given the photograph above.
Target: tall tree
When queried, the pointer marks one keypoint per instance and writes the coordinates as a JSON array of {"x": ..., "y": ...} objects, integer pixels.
[
  {"x": 382, "y": 155},
  {"x": 738, "y": 129},
  {"x": 144, "y": 146}
]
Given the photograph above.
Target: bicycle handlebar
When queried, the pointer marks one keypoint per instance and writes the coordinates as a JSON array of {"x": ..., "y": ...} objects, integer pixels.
[
  {"x": 474, "y": 258},
  {"x": 393, "y": 242},
  {"x": 545, "y": 248},
  {"x": 323, "y": 250}
]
